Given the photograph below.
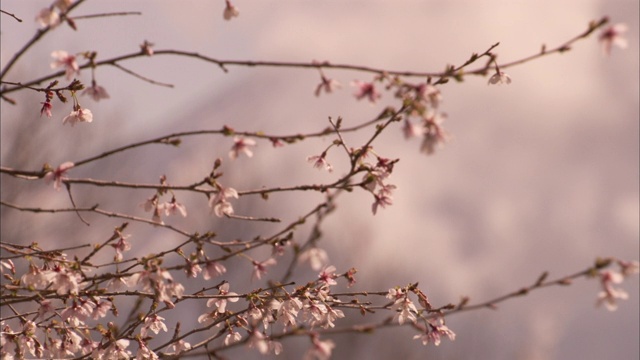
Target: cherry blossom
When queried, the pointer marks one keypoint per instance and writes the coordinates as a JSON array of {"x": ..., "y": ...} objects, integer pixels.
[
  {"x": 327, "y": 85},
  {"x": 499, "y": 78},
  {"x": 121, "y": 246},
  {"x": 63, "y": 5},
  {"x": 173, "y": 207},
  {"x": 232, "y": 337},
  {"x": 213, "y": 269},
  {"x": 241, "y": 145},
  {"x": 78, "y": 312},
  {"x": 613, "y": 36},
  {"x": 230, "y": 11},
  {"x": 37, "y": 278},
  {"x": 219, "y": 204},
  {"x": 366, "y": 90},
  {"x": 144, "y": 353},
  {"x": 260, "y": 268},
  {"x": 429, "y": 94},
  {"x": 66, "y": 61},
  {"x": 46, "y": 108},
  {"x": 382, "y": 198},
  {"x": 411, "y": 130},
  {"x": 319, "y": 350},
  {"x": 78, "y": 115},
  {"x": 434, "y": 134},
  {"x": 320, "y": 161},
  {"x": 147, "y": 48},
  {"x": 258, "y": 341},
  {"x": 101, "y": 308},
  {"x": 192, "y": 268},
  {"x": 96, "y": 92},
  {"x": 331, "y": 316},
  {"x": 48, "y": 17},
  {"x": 328, "y": 276},
  {"x": 435, "y": 330},
  {"x": 117, "y": 350},
  {"x": 58, "y": 175},
  {"x": 221, "y": 303},
  {"x": 154, "y": 323},
  {"x": 628, "y": 268},
  {"x": 610, "y": 294},
  {"x": 317, "y": 257}
]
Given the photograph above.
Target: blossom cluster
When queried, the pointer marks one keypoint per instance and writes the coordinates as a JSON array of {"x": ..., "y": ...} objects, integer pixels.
[{"x": 72, "y": 304}]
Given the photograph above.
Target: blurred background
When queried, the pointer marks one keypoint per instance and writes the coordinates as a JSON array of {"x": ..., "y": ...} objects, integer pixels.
[{"x": 540, "y": 175}]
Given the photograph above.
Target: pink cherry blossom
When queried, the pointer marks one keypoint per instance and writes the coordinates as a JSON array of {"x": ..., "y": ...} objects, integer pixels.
[
  {"x": 48, "y": 17},
  {"x": 219, "y": 203},
  {"x": 258, "y": 341},
  {"x": 317, "y": 257},
  {"x": 78, "y": 115},
  {"x": 66, "y": 61},
  {"x": 241, "y": 145},
  {"x": 434, "y": 332},
  {"x": 327, "y": 85},
  {"x": 121, "y": 246},
  {"x": 613, "y": 36},
  {"x": 213, "y": 269},
  {"x": 320, "y": 161},
  {"x": 232, "y": 337},
  {"x": 429, "y": 94},
  {"x": 383, "y": 198},
  {"x": 96, "y": 92},
  {"x": 610, "y": 294},
  {"x": 366, "y": 90},
  {"x": 174, "y": 207},
  {"x": 319, "y": 350},
  {"x": 144, "y": 353},
  {"x": 260, "y": 268},
  {"x": 58, "y": 175},
  {"x": 331, "y": 316},
  {"x": 434, "y": 135},
  {"x": 147, "y": 48},
  {"x": 405, "y": 310},
  {"x": 63, "y": 5},
  {"x": 154, "y": 323},
  {"x": 46, "y": 108},
  {"x": 230, "y": 11},
  {"x": 328, "y": 276},
  {"x": 499, "y": 78},
  {"x": 411, "y": 130},
  {"x": 221, "y": 303},
  {"x": 101, "y": 308}
]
